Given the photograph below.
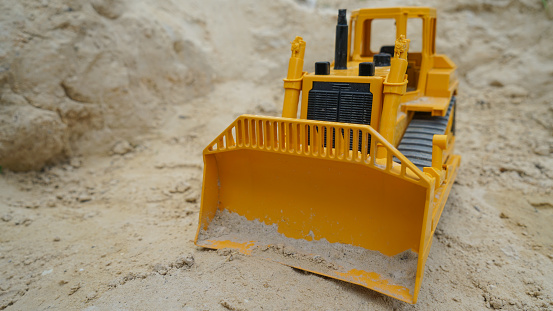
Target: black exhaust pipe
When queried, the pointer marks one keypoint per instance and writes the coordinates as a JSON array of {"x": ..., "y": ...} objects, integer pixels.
[{"x": 341, "y": 46}]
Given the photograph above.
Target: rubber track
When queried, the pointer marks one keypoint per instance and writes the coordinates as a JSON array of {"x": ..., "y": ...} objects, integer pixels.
[{"x": 416, "y": 143}]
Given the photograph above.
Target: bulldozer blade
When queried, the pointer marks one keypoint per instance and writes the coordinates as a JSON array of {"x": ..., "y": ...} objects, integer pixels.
[{"x": 305, "y": 194}]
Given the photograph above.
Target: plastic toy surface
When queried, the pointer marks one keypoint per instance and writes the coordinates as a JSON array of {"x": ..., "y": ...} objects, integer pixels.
[{"x": 354, "y": 186}]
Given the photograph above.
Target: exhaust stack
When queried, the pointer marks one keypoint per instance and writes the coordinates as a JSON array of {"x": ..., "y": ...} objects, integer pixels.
[{"x": 341, "y": 46}]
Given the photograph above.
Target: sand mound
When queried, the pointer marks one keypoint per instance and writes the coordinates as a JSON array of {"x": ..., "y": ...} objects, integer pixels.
[{"x": 109, "y": 67}]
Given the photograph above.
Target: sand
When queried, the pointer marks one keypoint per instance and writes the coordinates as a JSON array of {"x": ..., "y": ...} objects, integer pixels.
[
  {"x": 100, "y": 212},
  {"x": 313, "y": 255}
]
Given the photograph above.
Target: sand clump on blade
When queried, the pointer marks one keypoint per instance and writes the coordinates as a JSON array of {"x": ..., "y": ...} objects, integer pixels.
[{"x": 315, "y": 255}]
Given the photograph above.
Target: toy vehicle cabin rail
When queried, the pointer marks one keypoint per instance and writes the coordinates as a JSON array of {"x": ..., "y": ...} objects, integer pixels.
[{"x": 309, "y": 139}]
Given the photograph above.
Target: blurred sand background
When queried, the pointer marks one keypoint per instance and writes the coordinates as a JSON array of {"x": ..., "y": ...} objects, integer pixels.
[{"x": 106, "y": 106}]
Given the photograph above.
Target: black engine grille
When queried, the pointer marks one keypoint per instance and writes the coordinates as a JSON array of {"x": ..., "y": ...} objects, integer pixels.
[{"x": 341, "y": 102}]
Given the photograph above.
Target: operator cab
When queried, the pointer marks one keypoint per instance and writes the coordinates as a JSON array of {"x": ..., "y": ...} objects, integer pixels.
[{"x": 373, "y": 33}]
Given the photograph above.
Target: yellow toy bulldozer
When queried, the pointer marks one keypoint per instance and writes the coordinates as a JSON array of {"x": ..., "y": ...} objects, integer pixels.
[{"x": 354, "y": 186}]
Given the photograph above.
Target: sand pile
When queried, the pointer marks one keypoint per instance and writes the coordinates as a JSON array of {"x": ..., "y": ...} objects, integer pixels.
[
  {"x": 80, "y": 71},
  {"x": 77, "y": 75}
]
